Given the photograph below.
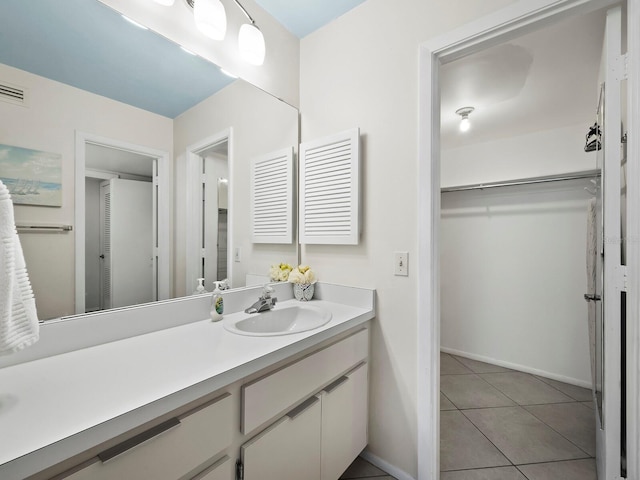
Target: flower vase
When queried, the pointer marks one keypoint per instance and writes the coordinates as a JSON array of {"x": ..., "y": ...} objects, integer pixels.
[{"x": 303, "y": 291}]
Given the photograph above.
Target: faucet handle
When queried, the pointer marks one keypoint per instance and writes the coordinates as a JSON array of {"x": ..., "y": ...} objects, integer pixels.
[{"x": 267, "y": 290}]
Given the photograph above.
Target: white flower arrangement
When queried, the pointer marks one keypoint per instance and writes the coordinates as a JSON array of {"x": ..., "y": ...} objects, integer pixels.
[
  {"x": 302, "y": 274},
  {"x": 280, "y": 272}
]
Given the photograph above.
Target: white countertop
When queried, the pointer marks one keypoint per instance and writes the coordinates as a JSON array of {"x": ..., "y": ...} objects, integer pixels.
[{"x": 52, "y": 399}]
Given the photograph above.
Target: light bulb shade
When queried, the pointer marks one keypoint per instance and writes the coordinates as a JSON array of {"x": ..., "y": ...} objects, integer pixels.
[
  {"x": 211, "y": 18},
  {"x": 251, "y": 44},
  {"x": 166, "y": 3},
  {"x": 465, "y": 124}
]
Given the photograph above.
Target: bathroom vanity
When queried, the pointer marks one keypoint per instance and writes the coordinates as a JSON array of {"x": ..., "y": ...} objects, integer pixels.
[{"x": 196, "y": 401}]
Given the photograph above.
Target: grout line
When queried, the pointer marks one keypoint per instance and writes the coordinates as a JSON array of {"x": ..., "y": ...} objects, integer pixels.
[
  {"x": 488, "y": 439},
  {"x": 522, "y": 406},
  {"x": 543, "y": 380},
  {"x": 562, "y": 435}
]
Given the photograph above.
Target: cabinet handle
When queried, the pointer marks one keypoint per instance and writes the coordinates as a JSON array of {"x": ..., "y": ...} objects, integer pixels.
[
  {"x": 302, "y": 407},
  {"x": 332, "y": 386},
  {"x": 121, "y": 448}
]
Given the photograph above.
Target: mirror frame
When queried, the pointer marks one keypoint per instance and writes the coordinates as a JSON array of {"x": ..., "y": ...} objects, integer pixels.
[
  {"x": 163, "y": 209},
  {"x": 194, "y": 204}
]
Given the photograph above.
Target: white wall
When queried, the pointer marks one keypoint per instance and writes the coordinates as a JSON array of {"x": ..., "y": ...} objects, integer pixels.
[
  {"x": 547, "y": 152},
  {"x": 513, "y": 276},
  {"x": 278, "y": 75},
  {"x": 55, "y": 112},
  {"x": 362, "y": 70},
  {"x": 261, "y": 124},
  {"x": 513, "y": 259}
]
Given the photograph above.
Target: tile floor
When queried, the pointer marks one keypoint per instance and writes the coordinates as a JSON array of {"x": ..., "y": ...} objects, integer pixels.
[
  {"x": 499, "y": 424},
  {"x": 360, "y": 469}
]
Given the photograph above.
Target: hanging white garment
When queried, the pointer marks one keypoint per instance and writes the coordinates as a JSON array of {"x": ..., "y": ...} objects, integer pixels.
[{"x": 19, "y": 326}]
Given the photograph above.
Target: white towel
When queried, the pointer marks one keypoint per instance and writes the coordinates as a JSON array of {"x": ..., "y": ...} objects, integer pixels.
[{"x": 19, "y": 326}]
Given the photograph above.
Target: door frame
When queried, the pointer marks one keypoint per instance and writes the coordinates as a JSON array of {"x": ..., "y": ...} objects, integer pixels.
[
  {"x": 515, "y": 20},
  {"x": 163, "y": 205}
]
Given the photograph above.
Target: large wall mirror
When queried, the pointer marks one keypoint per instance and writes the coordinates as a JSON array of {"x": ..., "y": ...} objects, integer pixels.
[{"x": 154, "y": 139}]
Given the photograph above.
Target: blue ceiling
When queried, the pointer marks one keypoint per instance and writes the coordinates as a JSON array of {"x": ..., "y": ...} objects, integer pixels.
[
  {"x": 88, "y": 45},
  {"x": 303, "y": 17}
]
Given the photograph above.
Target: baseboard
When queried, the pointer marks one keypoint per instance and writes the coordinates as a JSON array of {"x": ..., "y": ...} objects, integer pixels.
[
  {"x": 386, "y": 466},
  {"x": 518, "y": 367}
]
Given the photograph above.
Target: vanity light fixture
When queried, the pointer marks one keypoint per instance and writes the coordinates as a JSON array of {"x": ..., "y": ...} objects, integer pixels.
[
  {"x": 251, "y": 40},
  {"x": 211, "y": 19},
  {"x": 465, "y": 123}
]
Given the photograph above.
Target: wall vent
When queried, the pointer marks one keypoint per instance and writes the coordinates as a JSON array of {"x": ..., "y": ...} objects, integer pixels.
[
  {"x": 272, "y": 197},
  {"x": 330, "y": 190},
  {"x": 13, "y": 94}
]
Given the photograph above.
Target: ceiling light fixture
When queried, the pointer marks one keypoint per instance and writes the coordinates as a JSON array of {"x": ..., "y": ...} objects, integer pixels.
[{"x": 465, "y": 123}]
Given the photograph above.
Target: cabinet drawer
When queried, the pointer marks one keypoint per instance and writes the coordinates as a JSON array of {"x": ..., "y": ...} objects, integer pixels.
[
  {"x": 289, "y": 449},
  {"x": 274, "y": 394},
  {"x": 168, "y": 452}
]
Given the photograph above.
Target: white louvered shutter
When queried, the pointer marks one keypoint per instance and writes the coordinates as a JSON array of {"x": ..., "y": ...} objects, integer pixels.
[
  {"x": 330, "y": 190},
  {"x": 272, "y": 197}
]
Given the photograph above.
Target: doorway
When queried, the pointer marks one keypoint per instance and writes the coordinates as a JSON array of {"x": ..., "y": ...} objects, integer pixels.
[
  {"x": 210, "y": 212},
  {"x": 503, "y": 25},
  {"x": 119, "y": 215},
  {"x": 515, "y": 191},
  {"x": 136, "y": 174}
]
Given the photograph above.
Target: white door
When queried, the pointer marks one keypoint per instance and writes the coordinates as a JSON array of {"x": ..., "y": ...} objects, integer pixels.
[
  {"x": 105, "y": 245},
  {"x": 129, "y": 243},
  {"x": 609, "y": 335}
]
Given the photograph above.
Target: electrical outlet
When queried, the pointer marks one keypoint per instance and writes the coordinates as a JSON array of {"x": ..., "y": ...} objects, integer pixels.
[
  {"x": 401, "y": 262},
  {"x": 237, "y": 254}
]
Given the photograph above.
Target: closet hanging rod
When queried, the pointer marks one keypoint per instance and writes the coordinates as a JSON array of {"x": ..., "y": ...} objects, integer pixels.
[
  {"x": 43, "y": 228},
  {"x": 525, "y": 181}
]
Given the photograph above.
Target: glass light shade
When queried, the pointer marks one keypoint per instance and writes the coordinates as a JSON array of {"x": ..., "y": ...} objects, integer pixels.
[
  {"x": 465, "y": 124},
  {"x": 211, "y": 18},
  {"x": 166, "y": 3},
  {"x": 251, "y": 44}
]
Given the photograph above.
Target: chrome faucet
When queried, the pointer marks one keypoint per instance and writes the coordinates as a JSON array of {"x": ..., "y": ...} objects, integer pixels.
[{"x": 265, "y": 301}]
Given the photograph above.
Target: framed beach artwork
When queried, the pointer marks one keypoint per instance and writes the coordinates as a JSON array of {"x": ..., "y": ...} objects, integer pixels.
[{"x": 32, "y": 177}]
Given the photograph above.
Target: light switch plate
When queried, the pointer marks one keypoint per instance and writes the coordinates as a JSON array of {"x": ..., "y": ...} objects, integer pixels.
[
  {"x": 401, "y": 264},
  {"x": 237, "y": 255}
]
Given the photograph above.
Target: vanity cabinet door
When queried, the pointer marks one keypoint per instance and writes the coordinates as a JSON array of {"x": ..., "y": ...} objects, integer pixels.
[
  {"x": 170, "y": 450},
  {"x": 289, "y": 449},
  {"x": 344, "y": 422}
]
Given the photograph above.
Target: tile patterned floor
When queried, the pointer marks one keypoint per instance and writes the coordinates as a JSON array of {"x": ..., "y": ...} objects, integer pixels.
[
  {"x": 360, "y": 469},
  {"x": 499, "y": 424}
]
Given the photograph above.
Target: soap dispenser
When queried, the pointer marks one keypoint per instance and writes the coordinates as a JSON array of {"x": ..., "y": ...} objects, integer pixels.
[
  {"x": 217, "y": 303},
  {"x": 200, "y": 288}
]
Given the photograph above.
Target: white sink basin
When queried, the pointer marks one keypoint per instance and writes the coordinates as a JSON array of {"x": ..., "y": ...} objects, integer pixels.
[{"x": 282, "y": 320}]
